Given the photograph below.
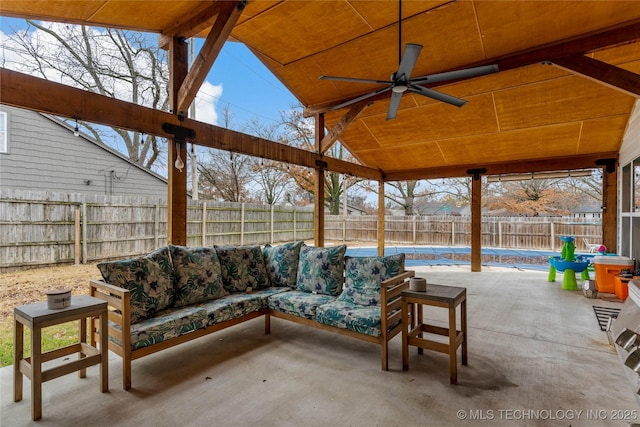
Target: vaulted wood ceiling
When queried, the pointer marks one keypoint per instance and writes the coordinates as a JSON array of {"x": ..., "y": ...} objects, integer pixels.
[{"x": 568, "y": 80}]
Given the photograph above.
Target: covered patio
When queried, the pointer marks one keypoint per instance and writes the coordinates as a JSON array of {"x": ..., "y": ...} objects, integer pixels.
[{"x": 532, "y": 348}]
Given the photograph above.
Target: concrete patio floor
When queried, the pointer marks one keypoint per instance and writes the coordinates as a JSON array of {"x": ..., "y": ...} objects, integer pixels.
[{"x": 537, "y": 357}]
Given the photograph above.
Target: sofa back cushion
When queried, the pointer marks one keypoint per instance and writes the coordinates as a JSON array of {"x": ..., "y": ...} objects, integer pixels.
[
  {"x": 242, "y": 267},
  {"x": 148, "y": 278},
  {"x": 321, "y": 270},
  {"x": 198, "y": 275},
  {"x": 282, "y": 263},
  {"x": 364, "y": 274}
]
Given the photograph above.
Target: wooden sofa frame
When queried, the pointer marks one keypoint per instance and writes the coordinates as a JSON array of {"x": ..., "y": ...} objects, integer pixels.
[{"x": 118, "y": 300}]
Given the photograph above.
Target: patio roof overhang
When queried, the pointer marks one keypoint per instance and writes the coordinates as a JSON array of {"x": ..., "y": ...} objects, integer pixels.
[{"x": 568, "y": 80}]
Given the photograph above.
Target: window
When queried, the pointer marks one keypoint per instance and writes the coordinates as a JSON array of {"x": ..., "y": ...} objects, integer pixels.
[{"x": 3, "y": 132}]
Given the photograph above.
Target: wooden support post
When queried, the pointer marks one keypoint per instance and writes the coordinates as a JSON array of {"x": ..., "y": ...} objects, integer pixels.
[
  {"x": 177, "y": 191},
  {"x": 380, "y": 218},
  {"x": 318, "y": 230},
  {"x": 476, "y": 222},
  {"x": 609, "y": 207}
]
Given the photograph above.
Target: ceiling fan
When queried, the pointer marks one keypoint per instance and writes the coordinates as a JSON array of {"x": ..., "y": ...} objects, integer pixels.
[{"x": 401, "y": 81}]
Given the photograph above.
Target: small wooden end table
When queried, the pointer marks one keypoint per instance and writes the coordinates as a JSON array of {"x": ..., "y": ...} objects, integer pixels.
[
  {"x": 37, "y": 316},
  {"x": 448, "y": 297}
]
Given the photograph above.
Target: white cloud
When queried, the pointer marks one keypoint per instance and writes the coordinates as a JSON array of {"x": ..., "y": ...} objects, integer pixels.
[{"x": 206, "y": 101}]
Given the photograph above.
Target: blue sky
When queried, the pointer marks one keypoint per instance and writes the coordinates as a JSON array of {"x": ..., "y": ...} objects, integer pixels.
[{"x": 247, "y": 87}]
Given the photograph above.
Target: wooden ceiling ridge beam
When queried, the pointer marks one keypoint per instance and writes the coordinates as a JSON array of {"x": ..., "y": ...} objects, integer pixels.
[
  {"x": 584, "y": 161},
  {"x": 228, "y": 14},
  {"x": 199, "y": 21},
  {"x": 336, "y": 132},
  {"x": 628, "y": 32},
  {"x": 33, "y": 93},
  {"x": 601, "y": 72}
]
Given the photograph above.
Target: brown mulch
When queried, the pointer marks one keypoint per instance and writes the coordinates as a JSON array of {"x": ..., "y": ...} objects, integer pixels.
[{"x": 28, "y": 286}]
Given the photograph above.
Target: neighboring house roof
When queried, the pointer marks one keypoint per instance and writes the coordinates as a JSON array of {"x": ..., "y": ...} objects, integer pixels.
[{"x": 587, "y": 209}]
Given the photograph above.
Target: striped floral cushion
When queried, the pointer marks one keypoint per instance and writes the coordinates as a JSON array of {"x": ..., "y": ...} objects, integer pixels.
[
  {"x": 364, "y": 274},
  {"x": 321, "y": 270},
  {"x": 149, "y": 279},
  {"x": 198, "y": 275}
]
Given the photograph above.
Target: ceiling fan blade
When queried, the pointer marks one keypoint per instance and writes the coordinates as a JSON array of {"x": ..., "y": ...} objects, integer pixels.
[
  {"x": 393, "y": 105},
  {"x": 360, "y": 98},
  {"x": 354, "y": 80},
  {"x": 411, "y": 52},
  {"x": 466, "y": 73},
  {"x": 430, "y": 93}
]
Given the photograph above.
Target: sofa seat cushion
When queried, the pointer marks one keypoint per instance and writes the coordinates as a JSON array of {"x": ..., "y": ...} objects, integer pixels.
[
  {"x": 168, "y": 324},
  {"x": 363, "y": 276},
  {"x": 282, "y": 263},
  {"x": 321, "y": 270},
  {"x": 242, "y": 267},
  {"x": 198, "y": 275},
  {"x": 357, "y": 318},
  {"x": 298, "y": 303},
  {"x": 231, "y": 307},
  {"x": 149, "y": 280}
]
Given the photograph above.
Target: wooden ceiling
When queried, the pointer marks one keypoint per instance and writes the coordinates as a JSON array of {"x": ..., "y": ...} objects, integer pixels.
[{"x": 568, "y": 80}]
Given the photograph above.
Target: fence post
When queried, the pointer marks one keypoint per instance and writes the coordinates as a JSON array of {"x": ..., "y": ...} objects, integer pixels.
[
  {"x": 344, "y": 228},
  {"x": 156, "y": 227},
  {"x": 553, "y": 237},
  {"x": 84, "y": 233},
  {"x": 204, "y": 223},
  {"x": 76, "y": 249},
  {"x": 293, "y": 210},
  {"x": 414, "y": 230},
  {"x": 272, "y": 224},
  {"x": 242, "y": 224},
  {"x": 453, "y": 233},
  {"x": 500, "y": 234}
]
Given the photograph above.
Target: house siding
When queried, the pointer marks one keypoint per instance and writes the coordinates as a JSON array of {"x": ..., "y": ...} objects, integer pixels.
[{"x": 44, "y": 155}]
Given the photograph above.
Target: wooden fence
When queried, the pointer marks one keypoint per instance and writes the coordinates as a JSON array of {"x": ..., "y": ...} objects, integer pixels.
[
  {"x": 499, "y": 232},
  {"x": 41, "y": 230}
]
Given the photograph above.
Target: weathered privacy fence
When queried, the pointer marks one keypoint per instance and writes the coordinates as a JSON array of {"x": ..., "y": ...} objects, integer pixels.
[
  {"x": 45, "y": 232},
  {"x": 501, "y": 232},
  {"x": 37, "y": 230}
]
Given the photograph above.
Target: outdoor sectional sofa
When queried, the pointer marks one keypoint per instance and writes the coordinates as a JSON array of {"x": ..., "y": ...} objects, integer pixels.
[{"x": 176, "y": 294}]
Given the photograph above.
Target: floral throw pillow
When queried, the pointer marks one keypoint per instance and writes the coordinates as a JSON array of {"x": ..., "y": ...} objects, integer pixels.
[
  {"x": 321, "y": 270},
  {"x": 282, "y": 263},
  {"x": 242, "y": 267},
  {"x": 364, "y": 274},
  {"x": 148, "y": 278},
  {"x": 198, "y": 275}
]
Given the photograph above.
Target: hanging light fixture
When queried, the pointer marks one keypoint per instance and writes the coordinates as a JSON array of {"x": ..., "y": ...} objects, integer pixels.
[{"x": 179, "y": 164}]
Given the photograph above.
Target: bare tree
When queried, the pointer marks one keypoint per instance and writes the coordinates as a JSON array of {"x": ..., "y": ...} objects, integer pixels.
[
  {"x": 115, "y": 63},
  {"x": 223, "y": 174}
]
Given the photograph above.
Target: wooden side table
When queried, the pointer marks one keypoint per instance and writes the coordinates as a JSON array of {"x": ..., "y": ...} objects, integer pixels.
[
  {"x": 448, "y": 297},
  {"x": 37, "y": 316}
]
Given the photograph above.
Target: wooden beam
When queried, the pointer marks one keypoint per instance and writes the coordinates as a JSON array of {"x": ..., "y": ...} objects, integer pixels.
[
  {"x": 601, "y": 72},
  {"x": 476, "y": 223},
  {"x": 584, "y": 161},
  {"x": 336, "y": 132},
  {"x": 24, "y": 91},
  {"x": 177, "y": 188},
  {"x": 626, "y": 33},
  {"x": 193, "y": 25},
  {"x": 228, "y": 14},
  {"x": 609, "y": 209}
]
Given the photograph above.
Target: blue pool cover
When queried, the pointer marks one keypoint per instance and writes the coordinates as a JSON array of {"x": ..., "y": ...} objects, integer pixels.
[{"x": 525, "y": 259}]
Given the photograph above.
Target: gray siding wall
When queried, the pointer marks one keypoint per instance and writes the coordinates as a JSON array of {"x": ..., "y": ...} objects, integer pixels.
[{"x": 44, "y": 155}]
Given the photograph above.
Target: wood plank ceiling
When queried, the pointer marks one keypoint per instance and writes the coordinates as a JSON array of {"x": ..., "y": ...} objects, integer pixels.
[{"x": 547, "y": 108}]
